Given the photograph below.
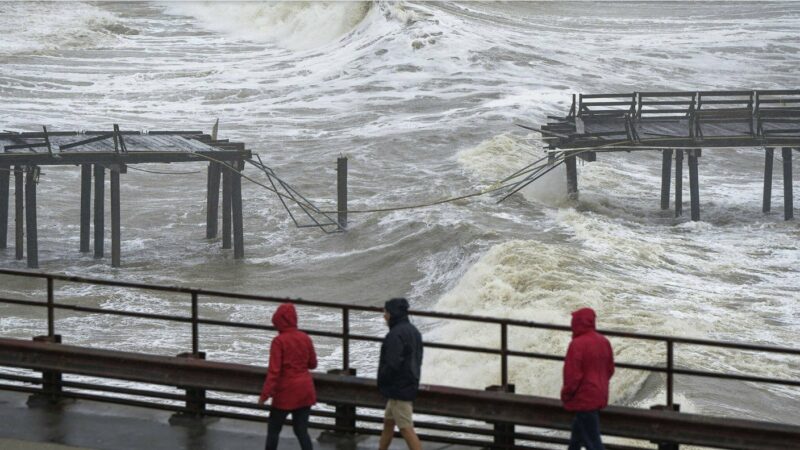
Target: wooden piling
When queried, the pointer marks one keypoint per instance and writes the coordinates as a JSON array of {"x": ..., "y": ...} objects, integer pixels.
[
  {"x": 86, "y": 206},
  {"x": 99, "y": 211},
  {"x": 678, "y": 183},
  {"x": 115, "y": 219},
  {"x": 788, "y": 193},
  {"x": 212, "y": 201},
  {"x": 226, "y": 207},
  {"x": 694, "y": 185},
  {"x": 5, "y": 176},
  {"x": 236, "y": 206},
  {"x": 666, "y": 174},
  {"x": 572, "y": 177},
  {"x": 30, "y": 217},
  {"x": 19, "y": 211},
  {"x": 341, "y": 192},
  {"x": 768, "y": 161}
]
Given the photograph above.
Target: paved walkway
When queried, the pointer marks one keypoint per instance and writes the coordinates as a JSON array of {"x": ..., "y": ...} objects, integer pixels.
[{"x": 90, "y": 425}]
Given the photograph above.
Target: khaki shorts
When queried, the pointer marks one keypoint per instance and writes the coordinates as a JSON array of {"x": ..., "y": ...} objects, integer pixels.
[{"x": 400, "y": 412}]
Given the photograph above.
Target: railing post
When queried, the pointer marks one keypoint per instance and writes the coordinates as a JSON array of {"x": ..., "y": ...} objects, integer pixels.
[
  {"x": 195, "y": 333},
  {"x": 195, "y": 401},
  {"x": 345, "y": 416},
  {"x": 51, "y": 326},
  {"x": 670, "y": 388},
  {"x": 51, "y": 379},
  {"x": 670, "y": 367},
  {"x": 504, "y": 354},
  {"x": 345, "y": 339},
  {"x": 503, "y": 432}
]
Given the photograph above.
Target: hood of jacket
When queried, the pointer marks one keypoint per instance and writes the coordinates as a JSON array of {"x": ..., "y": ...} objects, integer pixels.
[
  {"x": 397, "y": 309},
  {"x": 285, "y": 317},
  {"x": 583, "y": 321}
]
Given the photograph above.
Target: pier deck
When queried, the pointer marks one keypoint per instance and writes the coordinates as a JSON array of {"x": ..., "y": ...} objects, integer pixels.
[
  {"x": 98, "y": 152},
  {"x": 675, "y": 123}
]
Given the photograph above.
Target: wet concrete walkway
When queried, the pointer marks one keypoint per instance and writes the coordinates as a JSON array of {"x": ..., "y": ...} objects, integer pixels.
[{"x": 92, "y": 425}]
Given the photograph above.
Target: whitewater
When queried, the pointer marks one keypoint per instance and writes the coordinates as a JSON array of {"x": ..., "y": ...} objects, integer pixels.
[{"x": 422, "y": 98}]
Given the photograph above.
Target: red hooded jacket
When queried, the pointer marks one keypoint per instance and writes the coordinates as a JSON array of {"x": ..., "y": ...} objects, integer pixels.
[
  {"x": 588, "y": 366},
  {"x": 291, "y": 356}
]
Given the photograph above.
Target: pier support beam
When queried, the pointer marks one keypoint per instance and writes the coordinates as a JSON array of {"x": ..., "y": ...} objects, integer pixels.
[
  {"x": 768, "y": 161},
  {"x": 788, "y": 192},
  {"x": 99, "y": 211},
  {"x": 19, "y": 210},
  {"x": 86, "y": 206},
  {"x": 666, "y": 172},
  {"x": 678, "y": 183},
  {"x": 226, "y": 207},
  {"x": 212, "y": 201},
  {"x": 236, "y": 206},
  {"x": 572, "y": 177},
  {"x": 30, "y": 216},
  {"x": 341, "y": 192},
  {"x": 115, "y": 219},
  {"x": 5, "y": 176},
  {"x": 694, "y": 186}
]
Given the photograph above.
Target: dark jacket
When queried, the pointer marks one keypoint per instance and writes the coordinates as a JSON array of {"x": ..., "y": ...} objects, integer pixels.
[
  {"x": 291, "y": 356},
  {"x": 588, "y": 366},
  {"x": 401, "y": 355}
]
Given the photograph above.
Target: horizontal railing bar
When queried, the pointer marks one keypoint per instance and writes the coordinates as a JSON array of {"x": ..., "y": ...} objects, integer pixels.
[
  {"x": 590, "y": 96},
  {"x": 13, "y": 387},
  {"x": 122, "y": 390},
  {"x": 20, "y": 378}
]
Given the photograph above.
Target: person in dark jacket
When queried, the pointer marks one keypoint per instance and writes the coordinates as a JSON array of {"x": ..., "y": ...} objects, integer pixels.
[
  {"x": 399, "y": 373},
  {"x": 588, "y": 368},
  {"x": 288, "y": 380}
]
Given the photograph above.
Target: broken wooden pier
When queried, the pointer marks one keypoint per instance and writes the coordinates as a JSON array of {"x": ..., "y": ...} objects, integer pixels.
[
  {"x": 679, "y": 124},
  {"x": 97, "y": 152}
]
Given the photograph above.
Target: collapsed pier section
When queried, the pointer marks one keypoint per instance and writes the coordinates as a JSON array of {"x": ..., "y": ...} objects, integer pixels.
[
  {"x": 97, "y": 152},
  {"x": 682, "y": 124}
]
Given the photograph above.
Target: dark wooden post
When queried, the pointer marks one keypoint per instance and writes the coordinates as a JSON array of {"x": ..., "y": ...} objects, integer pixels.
[
  {"x": 788, "y": 193},
  {"x": 5, "y": 176},
  {"x": 51, "y": 380},
  {"x": 572, "y": 177},
  {"x": 30, "y": 217},
  {"x": 226, "y": 207},
  {"x": 236, "y": 206},
  {"x": 345, "y": 414},
  {"x": 86, "y": 206},
  {"x": 99, "y": 211},
  {"x": 19, "y": 211},
  {"x": 694, "y": 187},
  {"x": 115, "y": 218},
  {"x": 678, "y": 183},
  {"x": 212, "y": 201},
  {"x": 195, "y": 401},
  {"x": 666, "y": 174},
  {"x": 503, "y": 432},
  {"x": 341, "y": 192},
  {"x": 768, "y": 161},
  {"x": 666, "y": 445}
]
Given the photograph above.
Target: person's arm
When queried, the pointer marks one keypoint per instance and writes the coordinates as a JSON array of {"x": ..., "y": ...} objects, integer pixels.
[
  {"x": 573, "y": 372},
  {"x": 393, "y": 355},
  {"x": 312, "y": 360},
  {"x": 273, "y": 373}
]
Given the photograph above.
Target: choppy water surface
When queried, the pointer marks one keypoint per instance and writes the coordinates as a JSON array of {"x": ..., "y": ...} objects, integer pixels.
[{"x": 422, "y": 98}]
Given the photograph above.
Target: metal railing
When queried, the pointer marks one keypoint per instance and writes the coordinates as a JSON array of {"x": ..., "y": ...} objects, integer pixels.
[{"x": 347, "y": 336}]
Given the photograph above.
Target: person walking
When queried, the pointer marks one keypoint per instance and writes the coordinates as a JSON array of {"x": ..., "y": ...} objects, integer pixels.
[
  {"x": 399, "y": 373},
  {"x": 288, "y": 381},
  {"x": 588, "y": 368}
]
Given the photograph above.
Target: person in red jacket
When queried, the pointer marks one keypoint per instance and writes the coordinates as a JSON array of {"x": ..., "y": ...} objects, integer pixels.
[
  {"x": 588, "y": 367},
  {"x": 288, "y": 380}
]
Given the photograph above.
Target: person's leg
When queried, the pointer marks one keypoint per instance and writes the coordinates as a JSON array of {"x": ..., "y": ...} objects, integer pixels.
[
  {"x": 300, "y": 426},
  {"x": 276, "y": 419},
  {"x": 575, "y": 437},
  {"x": 589, "y": 430},
  {"x": 412, "y": 440},
  {"x": 387, "y": 434}
]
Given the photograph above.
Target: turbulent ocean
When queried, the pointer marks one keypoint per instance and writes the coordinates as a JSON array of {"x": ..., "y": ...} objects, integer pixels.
[{"x": 422, "y": 98}]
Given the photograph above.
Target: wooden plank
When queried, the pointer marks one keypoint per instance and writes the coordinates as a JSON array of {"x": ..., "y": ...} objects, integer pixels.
[
  {"x": 5, "y": 176},
  {"x": 212, "y": 200},
  {"x": 115, "y": 219},
  {"x": 19, "y": 196},
  {"x": 86, "y": 206},
  {"x": 30, "y": 217},
  {"x": 99, "y": 209}
]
